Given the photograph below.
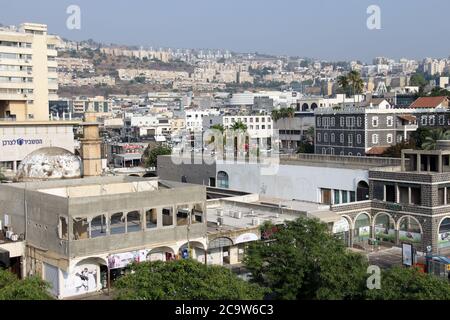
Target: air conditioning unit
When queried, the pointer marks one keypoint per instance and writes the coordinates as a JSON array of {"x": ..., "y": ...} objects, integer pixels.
[
  {"x": 238, "y": 215},
  {"x": 219, "y": 221},
  {"x": 255, "y": 222}
]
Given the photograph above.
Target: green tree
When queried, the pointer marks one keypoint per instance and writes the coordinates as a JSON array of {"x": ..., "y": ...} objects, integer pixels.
[
  {"x": 418, "y": 137},
  {"x": 305, "y": 147},
  {"x": 239, "y": 126},
  {"x": 219, "y": 127},
  {"x": 435, "y": 135},
  {"x": 344, "y": 84},
  {"x": 401, "y": 283},
  {"x": 151, "y": 153},
  {"x": 32, "y": 288},
  {"x": 304, "y": 261},
  {"x": 184, "y": 280}
]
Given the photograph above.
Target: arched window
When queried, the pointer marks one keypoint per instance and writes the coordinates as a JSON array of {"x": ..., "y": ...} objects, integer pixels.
[
  {"x": 305, "y": 107},
  {"x": 314, "y": 106},
  {"x": 222, "y": 180},
  {"x": 362, "y": 191}
]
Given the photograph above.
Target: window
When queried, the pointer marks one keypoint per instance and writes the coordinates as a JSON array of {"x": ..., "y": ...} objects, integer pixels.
[
  {"x": 324, "y": 151},
  {"x": 441, "y": 196},
  {"x": 319, "y": 122},
  {"x": 358, "y": 121},
  {"x": 222, "y": 180},
  {"x": 167, "y": 215},
  {"x": 134, "y": 221},
  {"x": 390, "y": 193},
  {"x": 98, "y": 227},
  {"x": 352, "y": 196},
  {"x": 117, "y": 223},
  {"x": 319, "y": 137},
  {"x": 441, "y": 120},
  {"x": 358, "y": 138},
  {"x": 344, "y": 197},
  {"x": 332, "y": 136},
  {"x": 424, "y": 120},
  {"x": 151, "y": 218},
  {"x": 390, "y": 121},
  {"x": 389, "y": 138},
  {"x": 375, "y": 138},
  {"x": 350, "y": 139},
  {"x": 415, "y": 195},
  {"x": 342, "y": 122},
  {"x": 333, "y": 122},
  {"x": 62, "y": 230},
  {"x": 341, "y": 138},
  {"x": 432, "y": 120},
  {"x": 375, "y": 122},
  {"x": 404, "y": 195},
  {"x": 350, "y": 122},
  {"x": 337, "y": 199},
  {"x": 325, "y": 137},
  {"x": 183, "y": 213}
]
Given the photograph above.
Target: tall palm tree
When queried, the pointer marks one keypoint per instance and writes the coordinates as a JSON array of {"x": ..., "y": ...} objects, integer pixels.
[
  {"x": 343, "y": 83},
  {"x": 239, "y": 126},
  {"x": 435, "y": 135},
  {"x": 356, "y": 83}
]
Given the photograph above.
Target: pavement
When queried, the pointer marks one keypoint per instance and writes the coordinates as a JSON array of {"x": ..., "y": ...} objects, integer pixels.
[{"x": 100, "y": 295}]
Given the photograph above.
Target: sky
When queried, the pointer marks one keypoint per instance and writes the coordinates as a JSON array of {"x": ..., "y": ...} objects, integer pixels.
[{"x": 323, "y": 29}]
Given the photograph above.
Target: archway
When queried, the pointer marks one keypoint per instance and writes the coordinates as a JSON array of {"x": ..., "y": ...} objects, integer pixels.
[
  {"x": 410, "y": 230},
  {"x": 195, "y": 250},
  {"x": 362, "y": 191},
  {"x": 305, "y": 107},
  {"x": 444, "y": 233},
  {"x": 222, "y": 180},
  {"x": 161, "y": 254},
  {"x": 313, "y": 106},
  {"x": 87, "y": 276},
  {"x": 362, "y": 228},
  {"x": 384, "y": 227},
  {"x": 219, "y": 250},
  {"x": 341, "y": 230}
]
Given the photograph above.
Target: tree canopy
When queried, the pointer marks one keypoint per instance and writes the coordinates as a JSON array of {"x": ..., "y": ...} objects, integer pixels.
[
  {"x": 31, "y": 288},
  {"x": 184, "y": 280},
  {"x": 304, "y": 261},
  {"x": 151, "y": 153}
]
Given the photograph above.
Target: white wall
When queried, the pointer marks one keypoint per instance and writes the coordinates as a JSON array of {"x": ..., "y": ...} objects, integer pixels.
[{"x": 292, "y": 181}]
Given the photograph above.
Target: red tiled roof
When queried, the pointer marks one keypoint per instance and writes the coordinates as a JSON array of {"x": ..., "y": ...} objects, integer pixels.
[
  {"x": 428, "y": 102},
  {"x": 376, "y": 151},
  {"x": 407, "y": 117}
]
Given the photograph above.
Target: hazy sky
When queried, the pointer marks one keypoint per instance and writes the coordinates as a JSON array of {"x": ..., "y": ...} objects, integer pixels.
[{"x": 326, "y": 29}]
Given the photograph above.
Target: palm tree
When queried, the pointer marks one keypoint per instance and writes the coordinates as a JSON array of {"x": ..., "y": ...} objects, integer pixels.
[
  {"x": 435, "y": 135},
  {"x": 356, "y": 83},
  {"x": 276, "y": 115},
  {"x": 343, "y": 83},
  {"x": 239, "y": 126}
]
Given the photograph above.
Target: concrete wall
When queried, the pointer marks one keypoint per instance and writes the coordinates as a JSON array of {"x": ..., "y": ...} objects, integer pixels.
[
  {"x": 194, "y": 173},
  {"x": 292, "y": 181}
]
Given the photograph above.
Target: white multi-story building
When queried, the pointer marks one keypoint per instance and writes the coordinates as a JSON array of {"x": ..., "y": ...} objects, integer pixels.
[
  {"x": 194, "y": 118},
  {"x": 28, "y": 72},
  {"x": 258, "y": 126}
]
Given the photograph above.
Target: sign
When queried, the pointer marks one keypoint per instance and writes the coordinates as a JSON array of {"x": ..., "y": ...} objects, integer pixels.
[
  {"x": 246, "y": 237},
  {"x": 341, "y": 226},
  {"x": 407, "y": 254},
  {"x": 21, "y": 142},
  {"x": 121, "y": 260}
]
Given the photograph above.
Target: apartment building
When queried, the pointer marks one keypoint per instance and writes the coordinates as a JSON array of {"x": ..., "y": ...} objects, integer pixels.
[
  {"x": 194, "y": 118},
  {"x": 258, "y": 126},
  {"x": 28, "y": 72}
]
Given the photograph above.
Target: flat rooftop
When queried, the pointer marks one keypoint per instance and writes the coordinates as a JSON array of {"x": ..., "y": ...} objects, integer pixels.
[{"x": 98, "y": 186}]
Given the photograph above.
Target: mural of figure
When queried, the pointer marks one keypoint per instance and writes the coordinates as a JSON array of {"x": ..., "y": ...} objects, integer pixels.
[{"x": 86, "y": 280}]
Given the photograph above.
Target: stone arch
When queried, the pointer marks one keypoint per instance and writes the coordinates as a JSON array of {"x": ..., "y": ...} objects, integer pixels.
[
  {"x": 384, "y": 230},
  {"x": 444, "y": 233},
  {"x": 411, "y": 234},
  {"x": 305, "y": 107},
  {"x": 349, "y": 220},
  {"x": 313, "y": 106},
  {"x": 362, "y": 228}
]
